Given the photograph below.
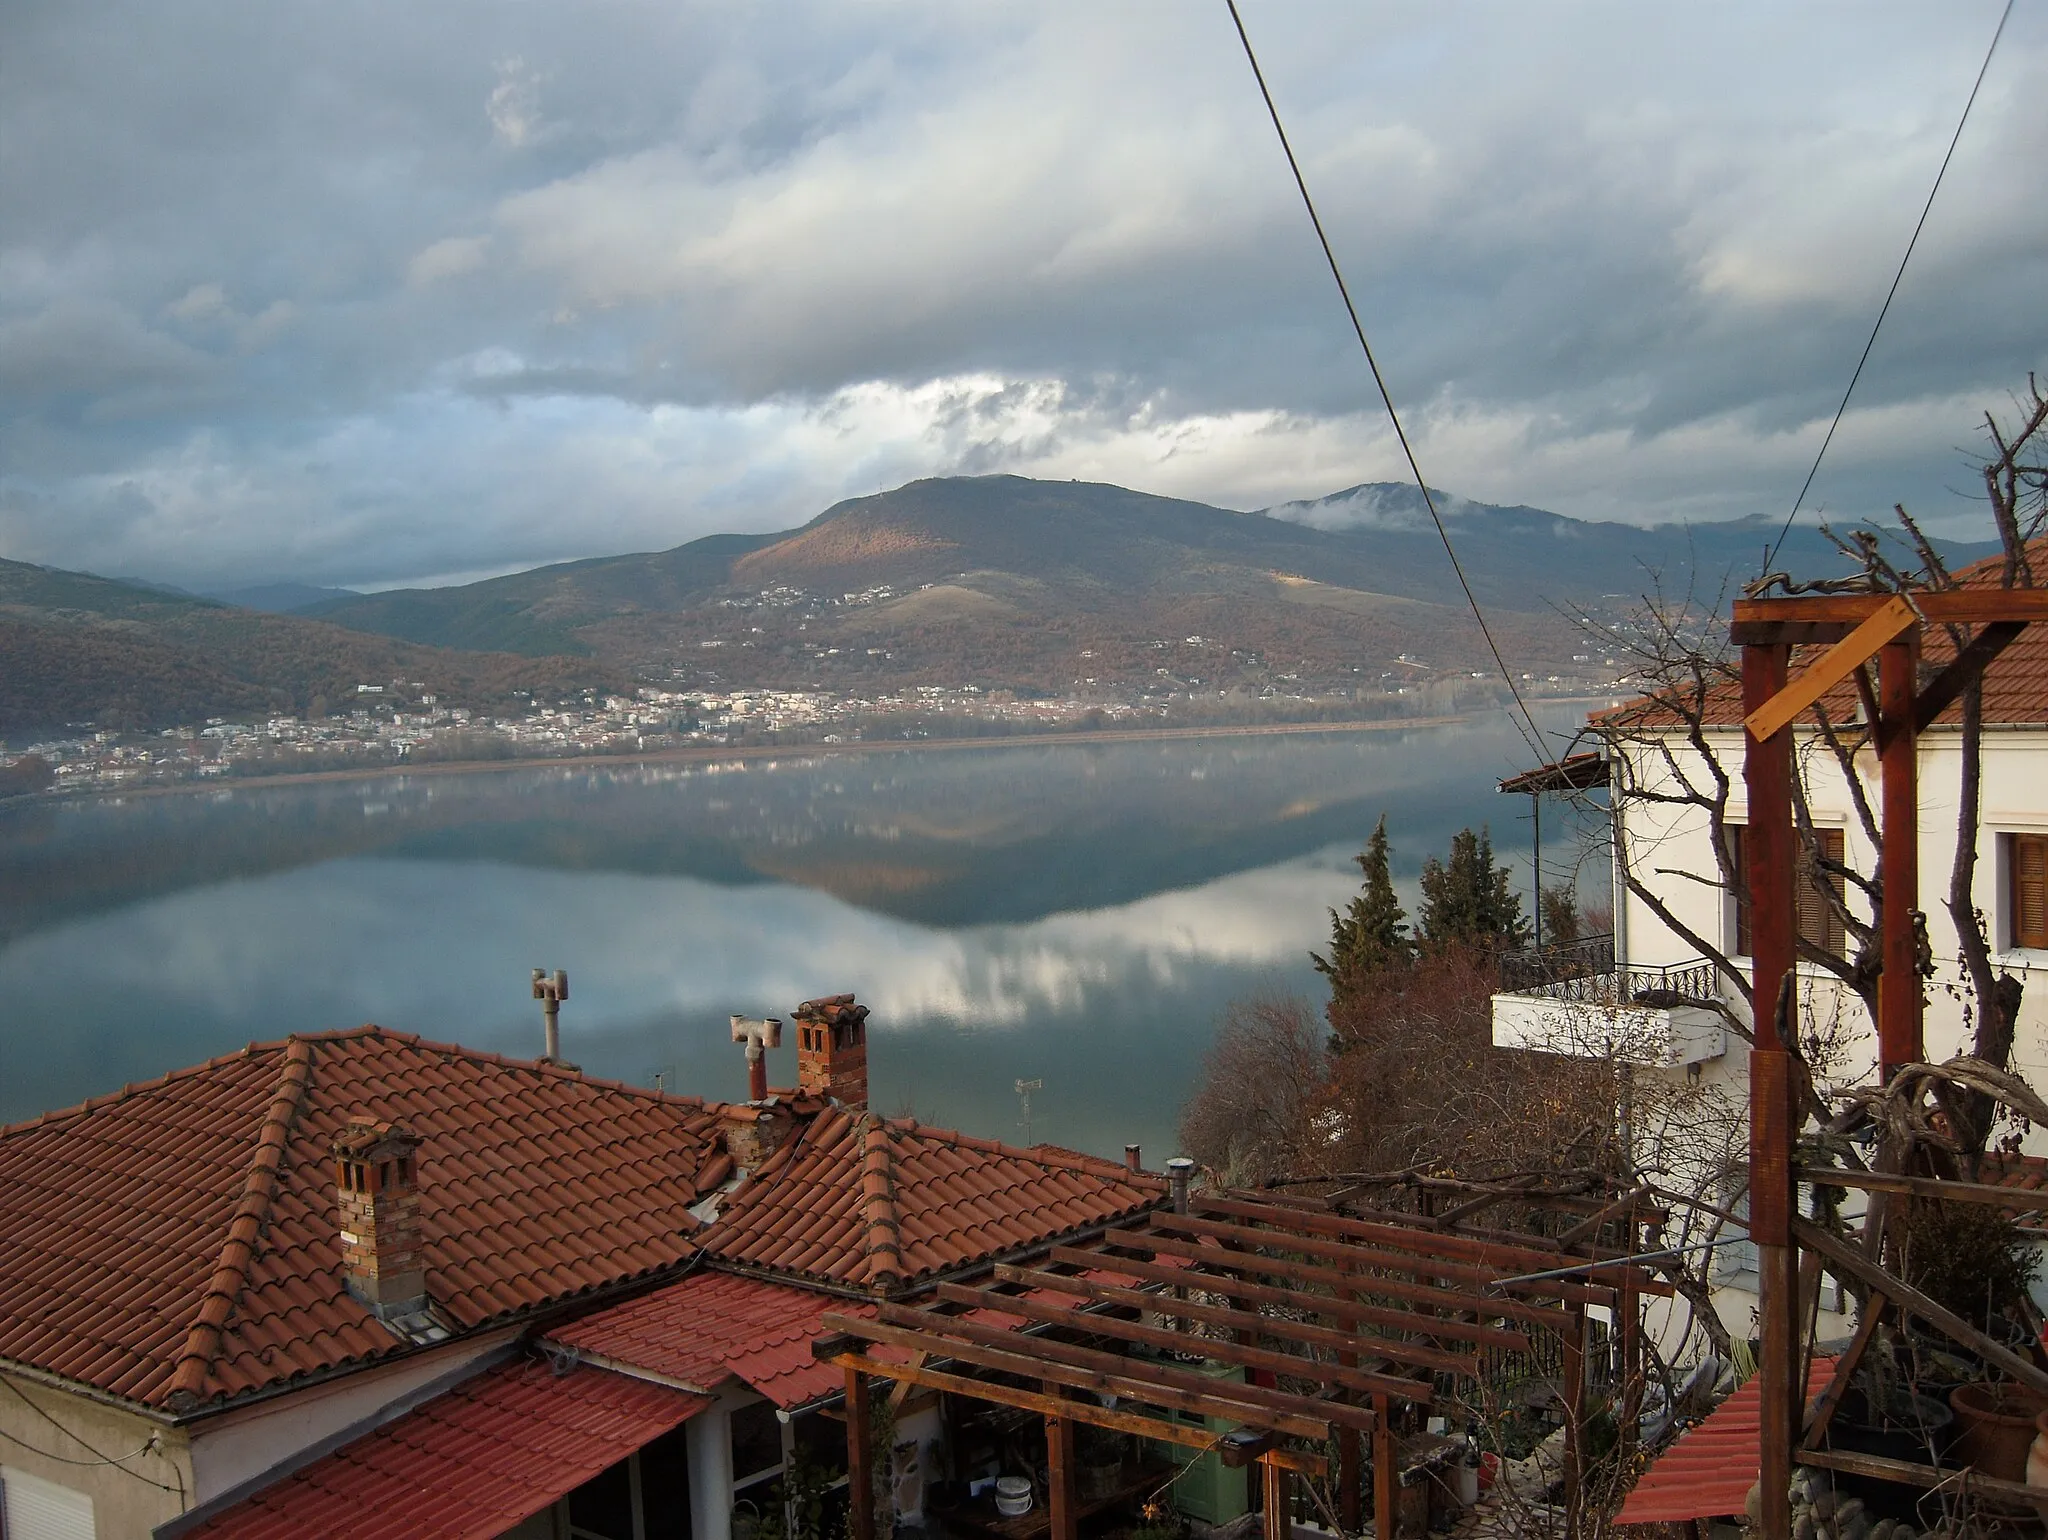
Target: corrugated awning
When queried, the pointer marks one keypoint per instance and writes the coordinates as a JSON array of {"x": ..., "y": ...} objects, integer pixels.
[
  {"x": 1575, "y": 772},
  {"x": 470, "y": 1463},
  {"x": 1707, "y": 1474}
]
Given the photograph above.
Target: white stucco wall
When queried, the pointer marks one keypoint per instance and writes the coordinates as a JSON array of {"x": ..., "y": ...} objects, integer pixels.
[{"x": 1671, "y": 848}]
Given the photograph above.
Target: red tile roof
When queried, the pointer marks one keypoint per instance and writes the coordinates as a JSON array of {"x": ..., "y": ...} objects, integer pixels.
[
  {"x": 1709, "y": 1471},
  {"x": 176, "y": 1242},
  {"x": 472, "y": 1462},
  {"x": 877, "y": 1203},
  {"x": 2022, "y": 1173},
  {"x": 713, "y": 1327},
  {"x": 2015, "y": 685}
]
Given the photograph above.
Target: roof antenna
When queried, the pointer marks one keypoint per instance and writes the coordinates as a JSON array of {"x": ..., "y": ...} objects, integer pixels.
[{"x": 1024, "y": 1090}]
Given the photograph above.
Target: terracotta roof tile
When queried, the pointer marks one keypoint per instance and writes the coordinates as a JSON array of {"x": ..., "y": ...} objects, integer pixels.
[
  {"x": 1708, "y": 1472},
  {"x": 180, "y": 1236},
  {"x": 472, "y": 1462},
  {"x": 876, "y": 1203},
  {"x": 2015, "y": 686},
  {"x": 718, "y": 1326}
]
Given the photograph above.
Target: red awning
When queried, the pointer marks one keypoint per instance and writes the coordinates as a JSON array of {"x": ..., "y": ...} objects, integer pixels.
[
  {"x": 1707, "y": 1474},
  {"x": 468, "y": 1464}
]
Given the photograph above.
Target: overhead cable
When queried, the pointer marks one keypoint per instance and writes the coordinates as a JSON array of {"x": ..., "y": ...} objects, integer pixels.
[
  {"x": 1885, "y": 309},
  {"x": 1531, "y": 732}
]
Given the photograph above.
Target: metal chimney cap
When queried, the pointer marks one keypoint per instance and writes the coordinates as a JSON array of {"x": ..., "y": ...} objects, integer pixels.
[{"x": 1181, "y": 1165}]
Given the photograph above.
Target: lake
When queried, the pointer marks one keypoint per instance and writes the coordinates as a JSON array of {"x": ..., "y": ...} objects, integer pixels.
[{"x": 1077, "y": 914}]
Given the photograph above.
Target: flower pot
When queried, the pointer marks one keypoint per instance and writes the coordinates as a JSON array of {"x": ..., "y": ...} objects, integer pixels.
[
  {"x": 1995, "y": 1427},
  {"x": 1905, "y": 1427},
  {"x": 2037, "y": 1457}
]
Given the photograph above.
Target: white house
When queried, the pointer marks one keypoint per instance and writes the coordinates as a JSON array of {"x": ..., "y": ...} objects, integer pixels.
[{"x": 1652, "y": 1001}]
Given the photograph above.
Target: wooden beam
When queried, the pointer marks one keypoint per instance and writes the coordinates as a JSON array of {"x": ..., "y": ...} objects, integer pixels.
[
  {"x": 1135, "y": 1423},
  {"x": 1787, "y": 704},
  {"x": 1208, "y": 1402},
  {"x": 1788, "y": 633},
  {"x": 1229, "y": 1352},
  {"x": 1293, "y": 1299},
  {"x": 1278, "y": 1524},
  {"x": 1911, "y": 1474},
  {"x": 1927, "y": 1187},
  {"x": 1963, "y": 606},
  {"x": 1965, "y": 666},
  {"x": 1574, "y": 1377},
  {"x": 939, "y": 1331},
  {"x": 1041, "y": 1357},
  {"x": 1770, "y": 850},
  {"x": 1356, "y": 1255},
  {"x": 1278, "y": 1327},
  {"x": 1215, "y": 1257},
  {"x": 1386, "y": 1471},
  {"x": 1059, "y": 1477},
  {"x": 860, "y": 1476},
  {"x": 1899, "y": 993},
  {"x": 1846, "y": 1258}
]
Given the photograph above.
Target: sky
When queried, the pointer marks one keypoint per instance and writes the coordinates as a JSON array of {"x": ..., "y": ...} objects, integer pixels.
[{"x": 384, "y": 294}]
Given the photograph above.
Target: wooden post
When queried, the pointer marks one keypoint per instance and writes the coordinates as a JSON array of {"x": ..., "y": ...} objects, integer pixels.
[
  {"x": 1772, "y": 855},
  {"x": 1574, "y": 1414},
  {"x": 860, "y": 1475},
  {"x": 1386, "y": 1468},
  {"x": 1273, "y": 1492},
  {"x": 1899, "y": 1007},
  {"x": 1059, "y": 1476}
]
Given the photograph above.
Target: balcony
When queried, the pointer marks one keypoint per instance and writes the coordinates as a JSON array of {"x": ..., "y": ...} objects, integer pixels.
[{"x": 1573, "y": 1000}]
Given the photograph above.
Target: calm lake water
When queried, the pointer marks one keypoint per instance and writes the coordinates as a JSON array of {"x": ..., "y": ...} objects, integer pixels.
[{"x": 1079, "y": 915}]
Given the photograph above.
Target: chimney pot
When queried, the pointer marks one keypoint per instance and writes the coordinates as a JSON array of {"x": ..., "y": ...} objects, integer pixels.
[
  {"x": 376, "y": 1180},
  {"x": 832, "y": 1050},
  {"x": 1131, "y": 1160},
  {"x": 759, "y": 1034}
]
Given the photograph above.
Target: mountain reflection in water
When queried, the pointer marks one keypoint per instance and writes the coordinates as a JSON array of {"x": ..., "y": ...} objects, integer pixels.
[{"x": 1076, "y": 914}]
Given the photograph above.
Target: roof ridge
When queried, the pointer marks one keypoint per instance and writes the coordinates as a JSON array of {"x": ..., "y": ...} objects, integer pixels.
[
  {"x": 1045, "y": 1154},
  {"x": 882, "y": 1225},
  {"x": 231, "y": 1271},
  {"x": 138, "y": 1088}
]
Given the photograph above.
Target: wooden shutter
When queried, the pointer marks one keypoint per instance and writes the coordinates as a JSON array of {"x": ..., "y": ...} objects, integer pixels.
[
  {"x": 1738, "y": 853},
  {"x": 1820, "y": 923},
  {"x": 2028, "y": 861}
]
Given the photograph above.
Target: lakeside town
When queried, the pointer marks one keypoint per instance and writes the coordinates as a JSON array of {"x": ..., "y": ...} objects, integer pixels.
[{"x": 401, "y": 722}]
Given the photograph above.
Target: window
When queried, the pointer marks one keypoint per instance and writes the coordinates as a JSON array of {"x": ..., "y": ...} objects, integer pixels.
[
  {"x": 2026, "y": 865},
  {"x": 34, "y": 1509},
  {"x": 1820, "y": 923}
]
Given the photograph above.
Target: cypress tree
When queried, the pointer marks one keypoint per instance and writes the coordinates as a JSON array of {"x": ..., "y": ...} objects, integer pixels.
[
  {"x": 1371, "y": 933},
  {"x": 1468, "y": 899}
]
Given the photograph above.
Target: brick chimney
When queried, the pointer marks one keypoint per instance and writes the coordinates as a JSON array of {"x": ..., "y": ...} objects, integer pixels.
[
  {"x": 756, "y": 1130},
  {"x": 832, "y": 1050},
  {"x": 376, "y": 1178}
]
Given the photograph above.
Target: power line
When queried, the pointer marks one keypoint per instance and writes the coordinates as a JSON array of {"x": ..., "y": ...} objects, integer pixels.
[
  {"x": 1885, "y": 309},
  {"x": 1533, "y": 733}
]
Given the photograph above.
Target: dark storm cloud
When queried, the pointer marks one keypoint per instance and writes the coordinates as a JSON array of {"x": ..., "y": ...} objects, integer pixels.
[{"x": 374, "y": 294}]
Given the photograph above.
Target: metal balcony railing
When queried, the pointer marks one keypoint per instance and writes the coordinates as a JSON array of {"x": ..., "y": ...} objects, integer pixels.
[{"x": 1584, "y": 972}]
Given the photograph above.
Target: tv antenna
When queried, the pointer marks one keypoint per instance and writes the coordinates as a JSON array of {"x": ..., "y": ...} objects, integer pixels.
[{"x": 1024, "y": 1090}]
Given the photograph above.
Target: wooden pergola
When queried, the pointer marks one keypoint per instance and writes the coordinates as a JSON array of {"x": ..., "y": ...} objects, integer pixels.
[
  {"x": 1856, "y": 629},
  {"x": 1337, "y": 1320}
]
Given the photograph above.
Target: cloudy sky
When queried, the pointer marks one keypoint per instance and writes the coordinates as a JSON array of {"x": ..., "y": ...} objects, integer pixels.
[{"x": 376, "y": 294}]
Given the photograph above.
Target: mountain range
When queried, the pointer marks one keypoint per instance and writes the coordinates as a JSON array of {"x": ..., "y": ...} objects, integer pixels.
[
  {"x": 1034, "y": 585},
  {"x": 1001, "y": 582},
  {"x": 79, "y": 650}
]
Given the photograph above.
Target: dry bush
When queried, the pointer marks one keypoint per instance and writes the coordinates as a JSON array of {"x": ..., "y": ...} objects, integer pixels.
[{"x": 1263, "y": 1079}]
